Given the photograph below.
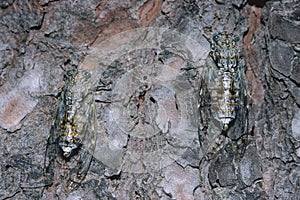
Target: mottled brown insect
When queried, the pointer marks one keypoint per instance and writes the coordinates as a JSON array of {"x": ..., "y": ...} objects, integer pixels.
[
  {"x": 72, "y": 136},
  {"x": 222, "y": 102}
]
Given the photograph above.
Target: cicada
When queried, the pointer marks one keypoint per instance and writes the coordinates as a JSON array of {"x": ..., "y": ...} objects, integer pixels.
[
  {"x": 72, "y": 136},
  {"x": 222, "y": 93}
]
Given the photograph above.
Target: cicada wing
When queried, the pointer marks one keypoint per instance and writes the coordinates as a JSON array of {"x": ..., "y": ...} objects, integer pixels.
[
  {"x": 52, "y": 147},
  {"x": 211, "y": 127},
  {"x": 240, "y": 130},
  {"x": 204, "y": 102},
  {"x": 78, "y": 174}
]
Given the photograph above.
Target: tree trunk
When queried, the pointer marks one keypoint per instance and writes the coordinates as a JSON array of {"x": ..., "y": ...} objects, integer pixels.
[{"x": 147, "y": 60}]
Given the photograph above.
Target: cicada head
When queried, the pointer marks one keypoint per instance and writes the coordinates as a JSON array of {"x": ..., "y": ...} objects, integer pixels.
[{"x": 224, "y": 51}]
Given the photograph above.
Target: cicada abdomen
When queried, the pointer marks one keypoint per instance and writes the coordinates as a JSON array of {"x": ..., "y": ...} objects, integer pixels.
[
  {"x": 72, "y": 137},
  {"x": 222, "y": 102}
]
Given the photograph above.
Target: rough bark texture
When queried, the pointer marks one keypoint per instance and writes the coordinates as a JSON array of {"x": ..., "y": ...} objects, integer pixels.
[{"x": 146, "y": 88}]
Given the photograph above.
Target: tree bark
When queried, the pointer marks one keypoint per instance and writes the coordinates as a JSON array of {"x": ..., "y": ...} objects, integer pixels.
[{"x": 146, "y": 60}]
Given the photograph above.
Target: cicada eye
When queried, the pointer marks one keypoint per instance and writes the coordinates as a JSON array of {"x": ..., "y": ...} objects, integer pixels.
[
  {"x": 70, "y": 72},
  {"x": 216, "y": 38},
  {"x": 87, "y": 74},
  {"x": 236, "y": 38}
]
